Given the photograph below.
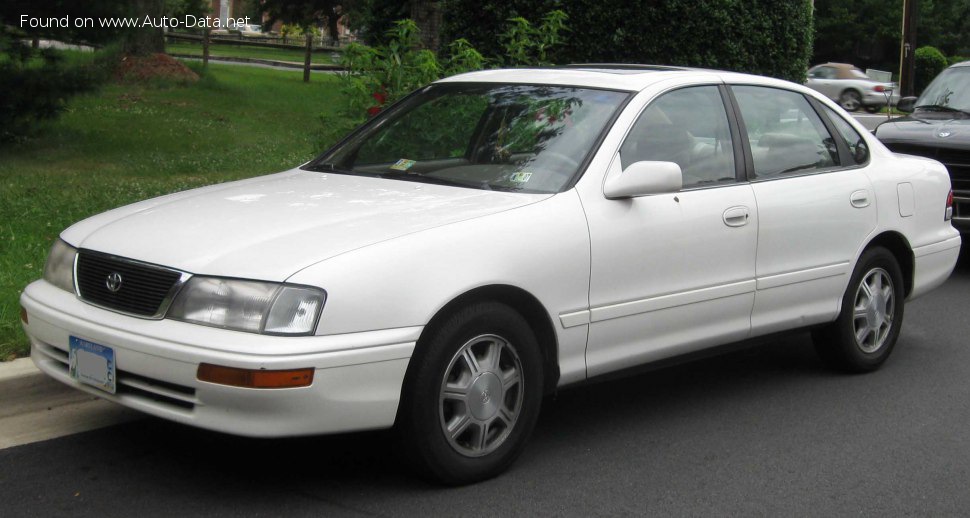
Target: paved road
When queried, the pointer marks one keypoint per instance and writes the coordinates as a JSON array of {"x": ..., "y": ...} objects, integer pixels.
[
  {"x": 766, "y": 431},
  {"x": 870, "y": 121}
]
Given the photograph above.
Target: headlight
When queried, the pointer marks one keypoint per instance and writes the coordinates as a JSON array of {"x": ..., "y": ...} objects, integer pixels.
[
  {"x": 59, "y": 268},
  {"x": 251, "y": 306}
]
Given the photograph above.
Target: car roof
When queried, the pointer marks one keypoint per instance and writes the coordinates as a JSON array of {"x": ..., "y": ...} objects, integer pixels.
[
  {"x": 961, "y": 64},
  {"x": 610, "y": 76}
]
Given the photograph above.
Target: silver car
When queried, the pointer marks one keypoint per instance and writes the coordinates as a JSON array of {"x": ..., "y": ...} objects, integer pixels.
[{"x": 851, "y": 87}]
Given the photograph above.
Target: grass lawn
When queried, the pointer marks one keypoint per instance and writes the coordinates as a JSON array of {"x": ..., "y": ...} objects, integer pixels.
[
  {"x": 242, "y": 51},
  {"x": 127, "y": 143}
]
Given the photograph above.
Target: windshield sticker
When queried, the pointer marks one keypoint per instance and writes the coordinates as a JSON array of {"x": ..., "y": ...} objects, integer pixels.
[
  {"x": 521, "y": 177},
  {"x": 403, "y": 164}
]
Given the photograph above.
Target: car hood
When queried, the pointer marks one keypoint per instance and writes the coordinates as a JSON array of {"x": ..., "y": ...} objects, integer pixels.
[
  {"x": 940, "y": 130},
  {"x": 271, "y": 227}
]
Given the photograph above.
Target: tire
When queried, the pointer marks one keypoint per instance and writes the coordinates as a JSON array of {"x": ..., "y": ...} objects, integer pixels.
[
  {"x": 850, "y": 100},
  {"x": 863, "y": 336},
  {"x": 472, "y": 395}
]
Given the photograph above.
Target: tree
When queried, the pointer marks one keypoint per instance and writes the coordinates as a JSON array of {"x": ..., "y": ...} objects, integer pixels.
[
  {"x": 866, "y": 33},
  {"x": 427, "y": 16},
  {"x": 375, "y": 19},
  {"x": 11, "y": 11},
  {"x": 143, "y": 41},
  {"x": 945, "y": 24}
]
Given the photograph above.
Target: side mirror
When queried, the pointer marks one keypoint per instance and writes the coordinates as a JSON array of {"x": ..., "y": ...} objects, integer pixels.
[
  {"x": 645, "y": 178},
  {"x": 906, "y": 104}
]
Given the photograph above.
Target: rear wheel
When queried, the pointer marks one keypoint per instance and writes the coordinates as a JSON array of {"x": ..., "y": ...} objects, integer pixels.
[
  {"x": 850, "y": 100},
  {"x": 472, "y": 396},
  {"x": 872, "y": 108},
  {"x": 864, "y": 335}
]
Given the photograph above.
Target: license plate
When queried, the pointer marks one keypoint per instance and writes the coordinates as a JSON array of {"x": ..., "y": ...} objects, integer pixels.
[{"x": 93, "y": 364}]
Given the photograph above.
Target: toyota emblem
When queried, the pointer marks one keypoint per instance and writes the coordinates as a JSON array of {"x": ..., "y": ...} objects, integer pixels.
[
  {"x": 113, "y": 282},
  {"x": 944, "y": 134}
]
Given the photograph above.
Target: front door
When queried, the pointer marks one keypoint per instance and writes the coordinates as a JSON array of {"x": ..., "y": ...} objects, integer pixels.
[{"x": 671, "y": 273}]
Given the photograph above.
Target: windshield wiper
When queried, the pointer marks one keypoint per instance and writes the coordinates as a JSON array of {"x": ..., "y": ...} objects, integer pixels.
[
  {"x": 940, "y": 108},
  {"x": 324, "y": 167},
  {"x": 420, "y": 178}
]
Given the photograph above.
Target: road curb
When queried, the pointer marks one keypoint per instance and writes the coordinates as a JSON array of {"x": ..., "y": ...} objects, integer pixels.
[
  {"x": 16, "y": 370},
  {"x": 35, "y": 407}
]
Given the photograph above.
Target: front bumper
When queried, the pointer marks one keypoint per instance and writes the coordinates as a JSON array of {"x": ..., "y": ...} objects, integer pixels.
[{"x": 356, "y": 386}]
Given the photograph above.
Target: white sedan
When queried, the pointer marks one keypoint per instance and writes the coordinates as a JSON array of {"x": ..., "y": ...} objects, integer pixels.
[
  {"x": 491, "y": 238},
  {"x": 851, "y": 87}
]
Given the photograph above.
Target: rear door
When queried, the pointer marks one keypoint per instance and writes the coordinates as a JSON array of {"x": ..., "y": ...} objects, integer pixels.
[{"x": 815, "y": 205}]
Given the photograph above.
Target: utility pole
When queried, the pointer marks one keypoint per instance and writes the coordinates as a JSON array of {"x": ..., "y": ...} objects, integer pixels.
[{"x": 907, "y": 49}]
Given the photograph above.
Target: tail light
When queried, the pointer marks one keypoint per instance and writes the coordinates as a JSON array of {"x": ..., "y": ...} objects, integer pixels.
[
  {"x": 948, "y": 213},
  {"x": 879, "y": 88}
]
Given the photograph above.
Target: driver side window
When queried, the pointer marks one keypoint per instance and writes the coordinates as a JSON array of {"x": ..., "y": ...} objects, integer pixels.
[{"x": 689, "y": 127}]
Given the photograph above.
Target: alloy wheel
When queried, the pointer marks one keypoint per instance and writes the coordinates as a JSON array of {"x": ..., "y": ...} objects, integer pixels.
[
  {"x": 873, "y": 310},
  {"x": 481, "y": 395}
]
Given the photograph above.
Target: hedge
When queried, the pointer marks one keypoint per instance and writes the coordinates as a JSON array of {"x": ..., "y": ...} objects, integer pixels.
[
  {"x": 929, "y": 62},
  {"x": 771, "y": 38}
]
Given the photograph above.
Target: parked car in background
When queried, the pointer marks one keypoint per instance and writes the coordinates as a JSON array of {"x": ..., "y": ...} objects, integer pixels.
[
  {"x": 490, "y": 238},
  {"x": 851, "y": 87},
  {"x": 938, "y": 127},
  {"x": 252, "y": 29}
]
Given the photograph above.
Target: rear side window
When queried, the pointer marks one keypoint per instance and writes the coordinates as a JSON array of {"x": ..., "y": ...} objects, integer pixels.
[
  {"x": 856, "y": 144},
  {"x": 786, "y": 135}
]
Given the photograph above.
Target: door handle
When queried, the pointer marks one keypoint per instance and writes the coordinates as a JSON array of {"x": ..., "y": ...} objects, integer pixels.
[
  {"x": 859, "y": 199},
  {"x": 736, "y": 216}
]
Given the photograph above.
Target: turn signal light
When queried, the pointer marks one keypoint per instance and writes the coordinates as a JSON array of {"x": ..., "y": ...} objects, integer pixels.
[
  {"x": 948, "y": 213},
  {"x": 255, "y": 378},
  {"x": 23, "y": 316}
]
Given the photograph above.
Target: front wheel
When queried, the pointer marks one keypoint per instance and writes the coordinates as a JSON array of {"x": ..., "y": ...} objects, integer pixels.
[
  {"x": 864, "y": 334},
  {"x": 472, "y": 395}
]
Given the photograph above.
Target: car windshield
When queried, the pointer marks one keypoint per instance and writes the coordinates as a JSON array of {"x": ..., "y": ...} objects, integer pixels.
[
  {"x": 950, "y": 89},
  {"x": 509, "y": 137}
]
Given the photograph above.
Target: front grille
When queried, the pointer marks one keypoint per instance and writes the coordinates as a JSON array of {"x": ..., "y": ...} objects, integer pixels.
[
  {"x": 957, "y": 161},
  {"x": 143, "y": 288}
]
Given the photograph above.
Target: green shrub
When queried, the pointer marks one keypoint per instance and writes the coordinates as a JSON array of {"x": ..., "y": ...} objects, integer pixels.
[
  {"x": 929, "y": 62},
  {"x": 378, "y": 76},
  {"x": 527, "y": 45},
  {"x": 36, "y": 85},
  {"x": 953, "y": 60}
]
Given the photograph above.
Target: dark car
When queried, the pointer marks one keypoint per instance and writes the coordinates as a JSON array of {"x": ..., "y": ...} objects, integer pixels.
[{"x": 938, "y": 127}]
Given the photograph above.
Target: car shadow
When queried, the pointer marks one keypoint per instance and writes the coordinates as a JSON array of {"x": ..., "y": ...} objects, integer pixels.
[
  {"x": 209, "y": 463},
  {"x": 963, "y": 262}
]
